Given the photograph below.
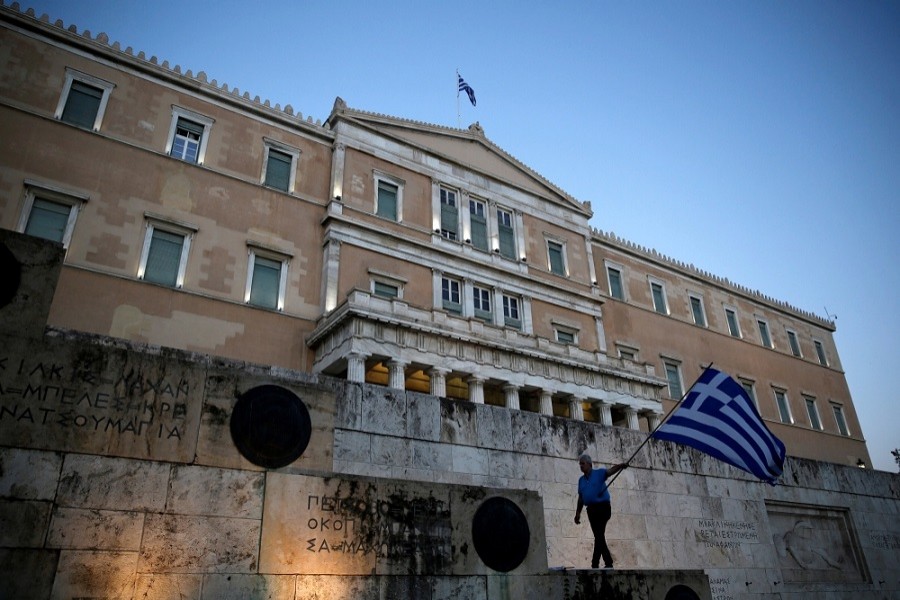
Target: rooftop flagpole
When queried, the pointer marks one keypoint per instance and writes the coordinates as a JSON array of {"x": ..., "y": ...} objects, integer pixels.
[{"x": 458, "y": 126}]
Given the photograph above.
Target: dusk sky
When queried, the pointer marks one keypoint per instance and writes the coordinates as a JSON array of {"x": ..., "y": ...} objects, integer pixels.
[{"x": 759, "y": 141}]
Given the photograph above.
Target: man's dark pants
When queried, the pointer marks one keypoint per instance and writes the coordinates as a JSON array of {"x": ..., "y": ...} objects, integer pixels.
[{"x": 598, "y": 516}]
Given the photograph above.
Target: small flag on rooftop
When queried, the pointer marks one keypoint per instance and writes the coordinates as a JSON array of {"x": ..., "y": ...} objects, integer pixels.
[
  {"x": 719, "y": 418},
  {"x": 465, "y": 87}
]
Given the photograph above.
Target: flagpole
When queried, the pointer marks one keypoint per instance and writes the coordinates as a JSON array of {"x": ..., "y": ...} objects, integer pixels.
[
  {"x": 663, "y": 420},
  {"x": 458, "y": 126}
]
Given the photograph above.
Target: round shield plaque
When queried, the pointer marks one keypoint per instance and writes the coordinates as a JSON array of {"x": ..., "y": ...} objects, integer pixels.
[
  {"x": 500, "y": 534},
  {"x": 270, "y": 426},
  {"x": 12, "y": 275}
]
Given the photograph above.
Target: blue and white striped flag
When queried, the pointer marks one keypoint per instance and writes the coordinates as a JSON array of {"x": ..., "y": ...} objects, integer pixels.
[
  {"x": 465, "y": 87},
  {"x": 718, "y": 417}
]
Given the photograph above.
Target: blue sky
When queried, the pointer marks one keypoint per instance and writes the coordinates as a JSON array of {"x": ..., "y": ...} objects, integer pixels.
[{"x": 759, "y": 141}]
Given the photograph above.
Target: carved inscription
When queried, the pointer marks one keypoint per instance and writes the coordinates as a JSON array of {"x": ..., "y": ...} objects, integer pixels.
[
  {"x": 884, "y": 541},
  {"x": 720, "y": 588},
  {"x": 394, "y": 528},
  {"x": 64, "y": 405},
  {"x": 715, "y": 533}
]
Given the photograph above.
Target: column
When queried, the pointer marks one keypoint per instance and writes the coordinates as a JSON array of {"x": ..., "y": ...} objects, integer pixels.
[
  {"x": 476, "y": 389},
  {"x": 547, "y": 403},
  {"x": 512, "y": 395},
  {"x": 576, "y": 410},
  {"x": 653, "y": 419},
  {"x": 632, "y": 417},
  {"x": 605, "y": 413},
  {"x": 330, "y": 272},
  {"x": 356, "y": 367},
  {"x": 438, "y": 377},
  {"x": 397, "y": 374}
]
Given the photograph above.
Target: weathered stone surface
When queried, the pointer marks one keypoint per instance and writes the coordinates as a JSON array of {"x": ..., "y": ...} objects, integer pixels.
[
  {"x": 384, "y": 411},
  {"x": 211, "y": 491},
  {"x": 27, "y": 574},
  {"x": 493, "y": 427},
  {"x": 526, "y": 431},
  {"x": 113, "y": 483},
  {"x": 168, "y": 587},
  {"x": 189, "y": 544},
  {"x": 241, "y": 587},
  {"x": 458, "y": 423},
  {"x": 424, "y": 417},
  {"x": 79, "y": 396},
  {"x": 29, "y": 474},
  {"x": 216, "y": 447},
  {"x": 23, "y": 523},
  {"x": 39, "y": 263},
  {"x": 82, "y": 529},
  {"x": 82, "y": 574}
]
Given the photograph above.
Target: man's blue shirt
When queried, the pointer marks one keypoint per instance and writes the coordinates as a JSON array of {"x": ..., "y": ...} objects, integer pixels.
[{"x": 592, "y": 487}]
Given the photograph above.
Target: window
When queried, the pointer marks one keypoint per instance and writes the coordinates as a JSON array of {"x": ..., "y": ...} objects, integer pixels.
[
  {"x": 388, "y": 196},
  {"x": 481, "y": 303},
  {"x": 83, "y": 100},
  {"x": 627, "y": 352},
  {"x": 557, "y": 257},
  {"x": 165, "y": 252},
  {"x": 449, "y": 215},
  {"x": 820, "y": 353},
  {"x": 450, "y": 297},
  {"x": 673, "y": 376},
  {"x": 188, "y": 135},
  {"x": 794, "y": 343},
  {"x": 784, "y": 408},
  {"x": 838, "y": 411},
  {"x": 385, "y": 290},
  {"x": 565, "y": 336},
  {"x": 734, "y": 327},
  {"x": 511, "y": 314},
  {"x": 266, "y": 280},
  {"x": 658, "y": 292},
  {"x": 478, "y": 223},
  {"x": 813, "y": 412},
  {"x": 698, "y": 311},
  {"x": 279, "y": 166},
  {"x": 506, "y": 234},
  {"x": 751, "y": 392},
  {"x": 614, "y": 276},
  {"x": 49, "y": 213},
  {"x": 764, "y": 336}
]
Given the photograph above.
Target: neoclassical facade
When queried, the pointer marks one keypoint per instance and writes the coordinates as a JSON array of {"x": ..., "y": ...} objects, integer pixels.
[{"x": 371, "y": 248}]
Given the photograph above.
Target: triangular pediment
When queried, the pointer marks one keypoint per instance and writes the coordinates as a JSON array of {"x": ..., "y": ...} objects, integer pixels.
[{"x": 469, "y": 148}]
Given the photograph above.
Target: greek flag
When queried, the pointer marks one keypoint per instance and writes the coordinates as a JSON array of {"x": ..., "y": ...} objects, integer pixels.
[
  {"x": 718, "y": 417},
  {"x": 465, "y": 87}
]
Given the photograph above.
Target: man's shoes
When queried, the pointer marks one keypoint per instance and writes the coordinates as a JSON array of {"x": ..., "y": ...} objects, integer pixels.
[{"x": 607, "y": 567}]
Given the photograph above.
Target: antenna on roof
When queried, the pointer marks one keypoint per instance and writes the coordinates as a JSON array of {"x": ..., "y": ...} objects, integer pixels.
[{"x": 831, "y": 317}]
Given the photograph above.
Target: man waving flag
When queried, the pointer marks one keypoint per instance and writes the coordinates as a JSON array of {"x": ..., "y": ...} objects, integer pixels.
[
  {"x": 719, "y": 418},
  {"x": 465, "y": 87}
]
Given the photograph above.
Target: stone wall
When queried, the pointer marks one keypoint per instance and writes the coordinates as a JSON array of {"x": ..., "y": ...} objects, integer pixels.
[{"x": 139, "y": 471}]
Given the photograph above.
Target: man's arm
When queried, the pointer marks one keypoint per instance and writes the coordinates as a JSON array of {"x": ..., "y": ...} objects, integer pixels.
[
  {"x": 615, "y": 469},
  {"x": 578, "y": 510}
]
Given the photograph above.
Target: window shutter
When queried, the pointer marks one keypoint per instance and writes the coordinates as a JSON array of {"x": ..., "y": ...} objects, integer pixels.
[
  {"x": 48, "y": 220},
  {"x": 82, "y": 105},
  {"x": 278, "y": 170},
  {"x": 266, "y": 282},
  {"x": 387, "y": 200},
  {"x": 164, "y": 258}
]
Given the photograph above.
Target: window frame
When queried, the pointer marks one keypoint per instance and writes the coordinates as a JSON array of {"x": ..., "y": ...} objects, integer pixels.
[
  {"x": 485, "y": 206},
  {"x": 551, "y": 242},
  {"x": 780, "y": 394},
  {"x": 179, "y": 112},
  {"x": 749, "y": 387},
  {"x": 480, "y": 295},
  {"x": 794, "y": 343},
  {"x": 765, "y": 333},
  {"x": 281, "y": 148},
  {"x": 731, "y": 310},
  {"x": 445, "y": 192},
  {"x": 840, "y": 419},
  {"x": 812, "y": 412},
  {"x": 654, "y": 281},
  {"x": 255, "y": 250},
  {"x": 692, "y": 296},
  {"x": 388, "y": 280},
  {"x": 498, "y": 248},
  {"x": 38, "y": 191},
  {"x": 565, "y": 333},
  {"x": 671, "y": 366},
  {"x": 379, "y": 177},
  {"x": 447, "y": 303},
  {"x": 73, "y": 75},
  {"x": 820, "y": 352},
  {"x": 154, "y": 223},
  {"x": 620, "y": 270},
  {"x": 508, "y": 320}
]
